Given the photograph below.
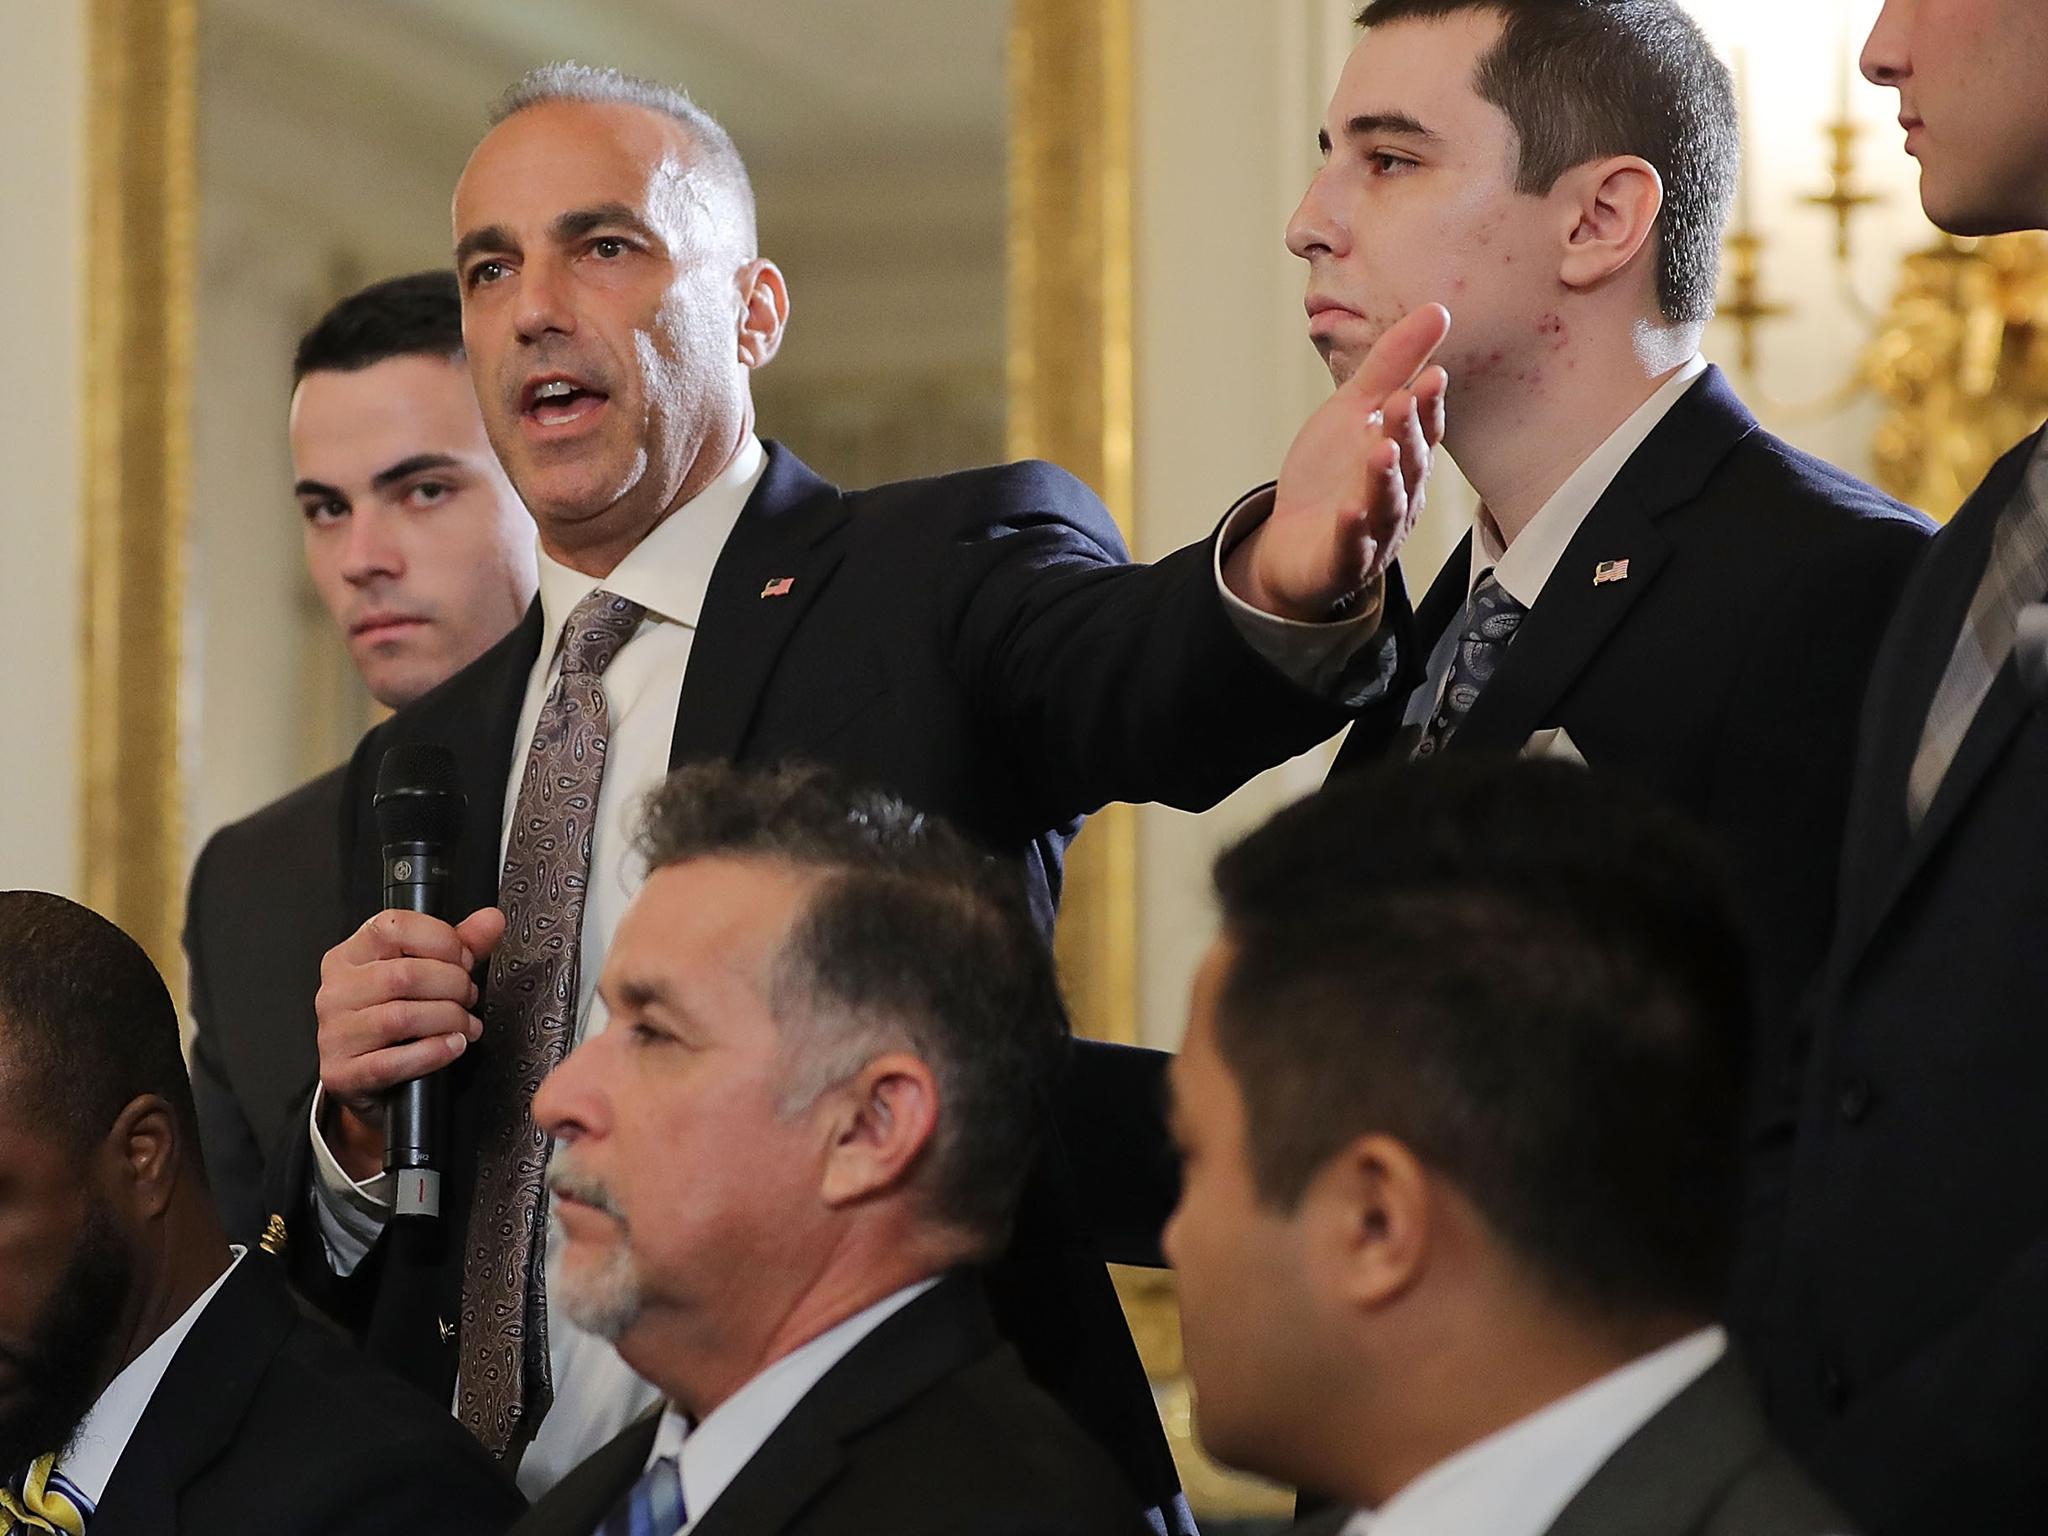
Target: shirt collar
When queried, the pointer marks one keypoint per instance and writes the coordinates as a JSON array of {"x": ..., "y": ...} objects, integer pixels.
[
  {"x": 669, "y": 571},
  {"x": 1524, "y": 566},
  {"x": 103, "y": 1436},
  {"x": 1517, "y": 1481},
  {"x": 711, "y": 1455}
]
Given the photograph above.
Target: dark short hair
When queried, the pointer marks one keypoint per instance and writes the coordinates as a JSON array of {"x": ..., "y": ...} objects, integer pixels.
[
  {"x": 1582, "y": 79},
  {"x": 911, "y": 938},
  {"x": 419, "y": 315},
  {"x": 595, "y": 85},
  {"x": 86, "y": 1021},
  {"x": 1529, "y": 976}
]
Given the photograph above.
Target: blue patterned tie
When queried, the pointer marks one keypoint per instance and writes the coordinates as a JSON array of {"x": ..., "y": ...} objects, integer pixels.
[
  {"x": 1491, "y": 619},
  {"x": 42, "y": 1499},
  {"x": 652, "y": 1507}
]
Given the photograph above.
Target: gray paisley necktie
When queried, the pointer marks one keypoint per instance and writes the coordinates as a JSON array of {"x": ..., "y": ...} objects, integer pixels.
[
  {"x": 529, "y": 1015},
  {"x": 1491, "y": 619}
]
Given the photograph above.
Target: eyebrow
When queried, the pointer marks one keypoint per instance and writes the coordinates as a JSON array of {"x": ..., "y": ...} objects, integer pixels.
[
  {"x": 318, "y": 488},
  {"x": 565, "y": 226},
  {"x": 405, "y": 469},
  {"x": 1368, "y": 123}
]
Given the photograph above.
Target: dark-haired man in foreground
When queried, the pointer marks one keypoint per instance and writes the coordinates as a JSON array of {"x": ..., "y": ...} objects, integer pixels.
[
  {"x": 1459, "y": 1128},
  {"x": 421, "y": 552},
  {"x": 833, "y": 1029},
  {"x": 152, "y": 1381},
  {"x": 1654, "y": 586},
  {"x": 1907, "y": 1357}
]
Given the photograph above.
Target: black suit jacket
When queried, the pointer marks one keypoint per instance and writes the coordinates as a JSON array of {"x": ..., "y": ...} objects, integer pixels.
[
  {"x": 979, "y": 645},
  {"x": 1908, "y": 1357},
  {"x": 264, "y": 906},
  {"x": 1725, "y": 671},
  {"x": 1703, "y": 1465},
  {"x": 265, "y": 1422},
  {"x": 928, "y": 1427}
]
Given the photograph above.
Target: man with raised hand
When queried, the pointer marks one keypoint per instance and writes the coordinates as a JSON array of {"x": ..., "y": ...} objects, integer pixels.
[{"x": 977, "y": 644}]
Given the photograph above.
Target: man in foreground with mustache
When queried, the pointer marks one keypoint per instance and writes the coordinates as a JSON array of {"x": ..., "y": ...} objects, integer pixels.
[{"x": 833, "y": 1025}]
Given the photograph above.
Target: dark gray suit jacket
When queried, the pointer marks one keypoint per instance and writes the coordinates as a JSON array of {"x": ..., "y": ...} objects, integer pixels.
[
  {"x": 264, "y": 905},
  {"x": 1704, "y": 1465},
  {"x": 928, "y": 1427}
]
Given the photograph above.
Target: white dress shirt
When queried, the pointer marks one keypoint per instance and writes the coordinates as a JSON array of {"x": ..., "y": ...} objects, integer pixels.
[
  {"x": 711, "y": 1455},
  {"x": 595, "y": 1394},
  {"x": 94, "y": 1451},
  {"x": 1523, "y": 567},
  {"x": 1517, "y": 1481}
]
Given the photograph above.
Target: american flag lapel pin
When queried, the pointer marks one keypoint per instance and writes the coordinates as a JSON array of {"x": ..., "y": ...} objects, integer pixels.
[
  {"x": 779, "y": 587},
  {"x": 1610, "y": 570}
]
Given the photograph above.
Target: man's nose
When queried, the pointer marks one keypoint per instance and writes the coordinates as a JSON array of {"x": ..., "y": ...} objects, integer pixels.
[
  {"x": 373, "y": 550},
  {"x": 544, "y": 307},
  {"x": 1885, "y": 60},
  {"x": 1315, "y": 228}
]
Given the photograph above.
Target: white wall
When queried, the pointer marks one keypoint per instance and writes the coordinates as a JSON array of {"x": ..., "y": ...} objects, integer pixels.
[
  {"x": 1229, "y": 97},
  {"x": 42, "y": 253}
]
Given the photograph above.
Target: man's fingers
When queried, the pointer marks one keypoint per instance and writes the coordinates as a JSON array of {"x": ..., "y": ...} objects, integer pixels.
[
  {"x": 1404, "y": 425},
  {"x": 1400, "y": 355},
  {"x": 367, "y": 1030},
  {"x": 1432, "y": 390},
  {"x": 394, "y": 932},
  {"x": 365, "y": 1077}
]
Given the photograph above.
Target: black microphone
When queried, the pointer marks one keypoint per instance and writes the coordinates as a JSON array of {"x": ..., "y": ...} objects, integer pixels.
[{"x": 419, "y": 817}]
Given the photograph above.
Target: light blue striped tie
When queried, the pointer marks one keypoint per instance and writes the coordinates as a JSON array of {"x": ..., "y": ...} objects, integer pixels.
[{"x": 652, "y": 1507}]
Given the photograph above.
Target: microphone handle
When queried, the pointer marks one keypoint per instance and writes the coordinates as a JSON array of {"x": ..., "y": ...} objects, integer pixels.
[{"x": 417, "y": 878}]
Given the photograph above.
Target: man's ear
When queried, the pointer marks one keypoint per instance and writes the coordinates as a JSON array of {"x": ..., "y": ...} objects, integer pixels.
[
  {"x": 1370, "y": 1222},
  {"x": 143, "y": 1156},
  {"x": 880, "y": 1121},
  {"x": 764, "y": 311},
  {"x": 1612, "y": 206}
]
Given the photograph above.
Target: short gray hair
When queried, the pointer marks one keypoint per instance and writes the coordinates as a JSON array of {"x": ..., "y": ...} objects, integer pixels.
[
  {"x": 595, "y": 85},
  {"x": 911, "y": 938}
]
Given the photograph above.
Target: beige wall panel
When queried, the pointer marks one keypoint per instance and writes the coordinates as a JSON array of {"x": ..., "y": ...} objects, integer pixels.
[{"x": 42, "y": 251}]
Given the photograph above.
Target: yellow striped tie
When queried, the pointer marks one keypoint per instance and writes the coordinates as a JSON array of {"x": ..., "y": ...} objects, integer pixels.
[{"x": 44, "y": 1500}]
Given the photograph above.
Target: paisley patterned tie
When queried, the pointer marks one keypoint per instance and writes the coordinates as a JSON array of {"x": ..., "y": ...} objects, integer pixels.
[
  {"x": 652, "y": 1507},
  {"x": 504, "y": 1382},
  {"x": 43, "y": 1499},
  {"x": 1491, "y": 619}
]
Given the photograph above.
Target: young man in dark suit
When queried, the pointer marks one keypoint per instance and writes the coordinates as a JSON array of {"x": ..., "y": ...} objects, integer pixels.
[
  {"x": 1654, "y": 586},
  {"x": 976, "y": 643},
  {"x": 421, "y": 552},
  {"x": 152, "y": 1381},
  {"x": 1907, "y": 1347},
  {"x": 1459, "y": 1127},
  {"x": 833, "y": 1023}
]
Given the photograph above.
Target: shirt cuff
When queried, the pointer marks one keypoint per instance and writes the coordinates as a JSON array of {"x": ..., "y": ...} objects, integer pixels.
[
  {"x": 351, "y": 1213},
  {"x": 1317, "y": 657}
]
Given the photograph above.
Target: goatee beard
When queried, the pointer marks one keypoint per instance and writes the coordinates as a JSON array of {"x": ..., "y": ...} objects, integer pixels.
[{"x": 57, "y": 1375}]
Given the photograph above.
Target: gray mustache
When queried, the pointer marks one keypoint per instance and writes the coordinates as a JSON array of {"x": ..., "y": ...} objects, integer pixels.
[{"x": 565, "y": 1178}]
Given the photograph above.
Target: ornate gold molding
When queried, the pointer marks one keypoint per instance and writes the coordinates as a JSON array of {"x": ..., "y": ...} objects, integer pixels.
[
  {"x": 140, "y": 218},
  {"x": 1071, "y": 387}
]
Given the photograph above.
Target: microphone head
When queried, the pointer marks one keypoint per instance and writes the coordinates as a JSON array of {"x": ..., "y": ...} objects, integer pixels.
[{"x": 419, "y": 798}]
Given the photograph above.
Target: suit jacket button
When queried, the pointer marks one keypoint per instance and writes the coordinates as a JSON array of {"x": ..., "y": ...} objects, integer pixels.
[
  {"x": 1853, "y": 1101},
  {"x": 1834, "y": 1389}
]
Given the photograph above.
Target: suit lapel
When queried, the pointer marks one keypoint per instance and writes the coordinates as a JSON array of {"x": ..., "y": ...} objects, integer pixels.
[
  {"x": 941, "y": 1332},
  {"x": 197, "y": 1408},
  {"x": 1672, "y": 1472},
  {"x": 1575, "y": 615},
  {"x": 575, "y": 1505},
  {"x": 1885, "y": 853},
  {"x": 778, "y": 559}
]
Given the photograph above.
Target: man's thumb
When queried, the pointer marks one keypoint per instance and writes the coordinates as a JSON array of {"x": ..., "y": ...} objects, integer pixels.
[{"x": 481, "y": 930}]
